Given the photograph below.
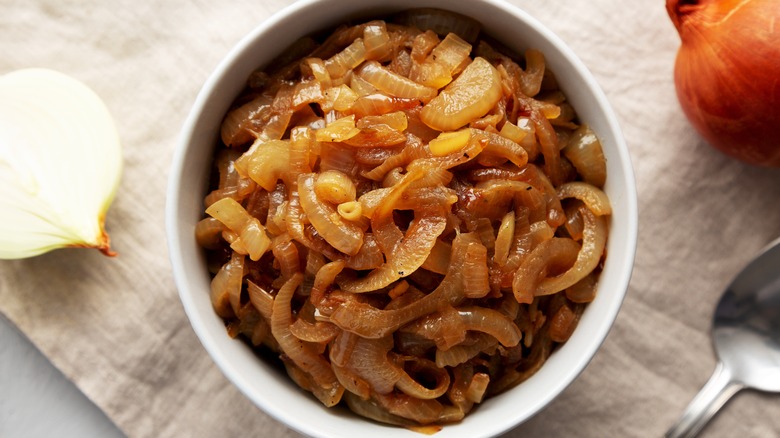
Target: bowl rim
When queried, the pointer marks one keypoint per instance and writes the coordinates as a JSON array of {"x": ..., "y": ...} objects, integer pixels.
[{"x": 173, "y": 211}]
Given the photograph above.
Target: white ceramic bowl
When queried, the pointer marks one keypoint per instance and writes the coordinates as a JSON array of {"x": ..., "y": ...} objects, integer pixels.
[{"x": 269, "y": 388}]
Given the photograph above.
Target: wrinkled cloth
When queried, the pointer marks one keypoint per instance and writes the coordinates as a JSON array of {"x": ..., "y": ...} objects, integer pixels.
[{"x": 116, "y": 328}]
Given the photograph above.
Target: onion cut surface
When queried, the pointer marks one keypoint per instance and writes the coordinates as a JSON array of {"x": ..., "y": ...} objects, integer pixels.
[{"x": 60, "y": 164}]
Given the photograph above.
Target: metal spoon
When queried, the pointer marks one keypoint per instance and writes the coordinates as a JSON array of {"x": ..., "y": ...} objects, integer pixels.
[{"x": 746, "y": 334}]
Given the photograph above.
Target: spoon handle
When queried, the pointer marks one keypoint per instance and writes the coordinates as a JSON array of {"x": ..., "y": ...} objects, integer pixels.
[{"x": 717, "y": 391}]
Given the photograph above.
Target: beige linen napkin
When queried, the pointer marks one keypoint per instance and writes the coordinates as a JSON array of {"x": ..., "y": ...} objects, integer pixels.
[{"x": 116, "y": 328}]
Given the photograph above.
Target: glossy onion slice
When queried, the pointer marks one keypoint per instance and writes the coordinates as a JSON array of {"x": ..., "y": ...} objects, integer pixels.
[{"x": 471, "y": 95}]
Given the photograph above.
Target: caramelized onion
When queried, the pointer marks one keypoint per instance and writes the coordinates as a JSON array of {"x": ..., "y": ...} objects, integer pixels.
[
  {"x": 506, "y": 232},
  {"x": 318, "y": 332},
  {"x": 491, "y": 322},
  {"x": 470, "y": 96},
  {"x": 477, "y": 283},
  {"x": 328, "y": 396},
  {"x": 372, "y": 410},
  {"x": 240, "y": 122},
  {"x": 343, "y": 235},
  {"x": 370, "y": 322},
  {"x": 594, "y": 237},
  {"x": 562, "y": 323},
  {"x": 441, "y": 22},
  {"x": 393, "y": 83},
  {"x": 226, "y": 286},
  {"x": 286, "y": 253},
  {"x": 584, "y": 151},
  {"x": 506, "y": 148},
  {"x": 376, "y": 40},
  {"x": 378, "y": 103},
  {"x": 261, "y": 299},
  {"x": 322, "y": 281},
  {"x": 584, "y": 291},
  {"x": 349, "y": 58},
  {"x": 368, "y": 359},
  {"x": 430, "y": 371},
  {"x": 389, "y": 206},
  {"x": 299, "y": 352},
  {"x": 549, "y": 255},
  {"x": 439, "y": 258},
  {"x": 444, "y": 327},
  {"x": 252, "y": 239},
  {"x": 462, "y": 353},
  {"x": 231, "y": 185},
  {"x": 208, "y": 232},
  {"x": 265, "y": 162},
  {"x": 419, "y": 410},
  {"x": 405, "y": 258},
  {"x": 334, "y": 186},
  {"x": 351, "y": 382},
  {"x": 596, "y": 200}
]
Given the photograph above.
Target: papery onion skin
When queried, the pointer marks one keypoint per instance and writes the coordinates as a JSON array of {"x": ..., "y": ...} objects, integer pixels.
[{"x": 726, "y": 74}]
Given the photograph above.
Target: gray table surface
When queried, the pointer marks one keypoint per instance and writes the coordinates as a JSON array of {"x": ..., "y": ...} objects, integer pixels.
[{"x": 37, "y": 400}]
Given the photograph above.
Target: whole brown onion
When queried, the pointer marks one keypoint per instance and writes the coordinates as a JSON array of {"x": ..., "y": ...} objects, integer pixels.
[{"x": 727, "y": 74}]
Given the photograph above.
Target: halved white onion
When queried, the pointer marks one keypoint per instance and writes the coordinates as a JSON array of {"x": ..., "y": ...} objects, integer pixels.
[{"x": 60, "y": 164}]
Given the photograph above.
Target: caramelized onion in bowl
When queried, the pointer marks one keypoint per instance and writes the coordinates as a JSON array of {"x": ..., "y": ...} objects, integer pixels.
[{"x": 410, "y": 217}]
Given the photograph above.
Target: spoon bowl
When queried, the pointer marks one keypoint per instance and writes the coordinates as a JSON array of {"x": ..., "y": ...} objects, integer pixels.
[
  {"x": 746, "y": 328},
  {"x": 746, "y": 335}
]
